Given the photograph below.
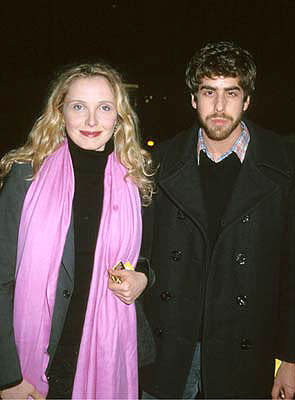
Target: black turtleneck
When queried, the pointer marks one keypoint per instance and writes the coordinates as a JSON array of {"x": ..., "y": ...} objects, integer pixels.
[{"x": 89, "y": 167}]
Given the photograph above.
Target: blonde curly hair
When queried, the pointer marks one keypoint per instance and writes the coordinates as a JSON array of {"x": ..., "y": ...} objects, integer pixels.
[{"x": 49, "y": 131}]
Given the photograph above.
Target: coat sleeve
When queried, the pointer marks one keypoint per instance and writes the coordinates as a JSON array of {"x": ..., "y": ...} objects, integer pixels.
[
  {"x": 143, "y": 263},
  {"x": 11, "y": 201},
  {"x": 285, "y": 348}
]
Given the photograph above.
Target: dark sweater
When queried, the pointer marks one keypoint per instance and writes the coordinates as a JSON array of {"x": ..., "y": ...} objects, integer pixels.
[
  {"x": 218, "y": 181},
  {"x": 89, "y": 167}
]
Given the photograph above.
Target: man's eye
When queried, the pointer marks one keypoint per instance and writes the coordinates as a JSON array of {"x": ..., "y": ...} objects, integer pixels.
[
  {"x": 209, "y": 93},
  {"x": 232, "y": 93}
]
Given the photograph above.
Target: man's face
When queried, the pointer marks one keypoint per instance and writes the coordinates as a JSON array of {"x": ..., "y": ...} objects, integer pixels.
[{"x": 220, "y": 106}]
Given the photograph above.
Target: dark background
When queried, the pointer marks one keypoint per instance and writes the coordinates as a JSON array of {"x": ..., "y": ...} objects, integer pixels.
[{"x": 150, "y": 42}]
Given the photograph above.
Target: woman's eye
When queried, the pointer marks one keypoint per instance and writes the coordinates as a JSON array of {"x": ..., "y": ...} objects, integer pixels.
[
  {"x": 105, "y": 107},
  {"x": 78, "y": 107}
]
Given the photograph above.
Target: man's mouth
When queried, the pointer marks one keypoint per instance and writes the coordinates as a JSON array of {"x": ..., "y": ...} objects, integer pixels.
[{"x": 219, "y": 121}]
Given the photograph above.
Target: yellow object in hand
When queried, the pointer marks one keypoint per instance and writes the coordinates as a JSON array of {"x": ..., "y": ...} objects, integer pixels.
[
  {"x": 128, "y": 266},
  {"x": 119, "y": 266}
]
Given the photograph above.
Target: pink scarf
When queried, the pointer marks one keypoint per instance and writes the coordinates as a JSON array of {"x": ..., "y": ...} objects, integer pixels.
[{"x": 107, "y": 362}]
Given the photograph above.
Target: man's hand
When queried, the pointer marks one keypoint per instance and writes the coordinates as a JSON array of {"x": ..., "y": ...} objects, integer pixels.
[
  {"x": 132, "y": 285},
  {"x": 20, "y": 392},
  {"x": 284, "y": 383}
]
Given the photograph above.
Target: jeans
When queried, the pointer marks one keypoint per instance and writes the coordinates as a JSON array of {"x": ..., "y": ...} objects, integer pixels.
[{"x": 193, "y": 382}]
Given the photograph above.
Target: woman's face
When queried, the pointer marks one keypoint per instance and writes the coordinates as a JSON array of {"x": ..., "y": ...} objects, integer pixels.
[{"x": 90, "y": 112}]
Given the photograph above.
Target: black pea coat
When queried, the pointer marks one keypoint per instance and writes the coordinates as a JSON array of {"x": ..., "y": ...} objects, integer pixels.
[{"x": 244, "y": 289}]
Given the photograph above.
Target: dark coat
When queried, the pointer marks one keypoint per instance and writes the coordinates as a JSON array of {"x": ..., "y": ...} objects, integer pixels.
[
  {"x": 11, "y": 202},
  {"x": 244, "y": 290}
]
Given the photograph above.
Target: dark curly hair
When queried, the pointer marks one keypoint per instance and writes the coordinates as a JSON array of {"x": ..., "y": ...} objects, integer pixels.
[{"x": 222, "y": 59}]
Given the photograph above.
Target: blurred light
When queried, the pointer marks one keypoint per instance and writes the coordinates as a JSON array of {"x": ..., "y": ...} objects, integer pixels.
[
  {"x": 131, "y": 86},
  {"x": 147, "y": 99},
  {"x": 150, "y": 143}
]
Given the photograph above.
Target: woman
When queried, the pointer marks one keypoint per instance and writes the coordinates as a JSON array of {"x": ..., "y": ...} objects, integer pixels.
[{"x": 61, "y": 233}]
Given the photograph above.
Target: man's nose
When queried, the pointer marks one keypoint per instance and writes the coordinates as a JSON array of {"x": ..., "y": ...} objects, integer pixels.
[{"x": 220, "y": 103}]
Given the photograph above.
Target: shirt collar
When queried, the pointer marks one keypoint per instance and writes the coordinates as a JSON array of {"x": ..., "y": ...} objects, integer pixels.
[{"x": 239, "y": 147}]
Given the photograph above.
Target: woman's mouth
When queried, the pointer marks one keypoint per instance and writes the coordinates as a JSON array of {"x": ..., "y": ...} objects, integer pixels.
[{"x": 90, "y": 134}]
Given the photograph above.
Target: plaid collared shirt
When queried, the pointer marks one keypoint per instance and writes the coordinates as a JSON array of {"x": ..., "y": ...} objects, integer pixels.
[{"x": 239, "y": 147}]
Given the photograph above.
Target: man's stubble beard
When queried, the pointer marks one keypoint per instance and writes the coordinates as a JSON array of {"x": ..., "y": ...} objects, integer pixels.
[{"x": 219, "y": 133}]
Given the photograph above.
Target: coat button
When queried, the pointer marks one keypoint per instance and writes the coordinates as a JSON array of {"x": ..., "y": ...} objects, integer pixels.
[
  {"x": 242, "y": 300},
  {"x": 180, "y": 215},
  {"x": 159, "y": 332},
  {"x": 241, "y": 258},
  {"x": 66, "y": 293},
  {"x": 245, "y": 219},
  {"x": 165, "y": 295},
  {"x": 176, "y": 255},
  {"x": 246, "y": 344}
]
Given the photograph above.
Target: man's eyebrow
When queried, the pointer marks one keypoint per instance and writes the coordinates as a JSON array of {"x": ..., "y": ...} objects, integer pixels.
[
  {"x": 233, "y": 88},
  {"x": 228, "y": 89},
  {"x": 208, "y": 87}
]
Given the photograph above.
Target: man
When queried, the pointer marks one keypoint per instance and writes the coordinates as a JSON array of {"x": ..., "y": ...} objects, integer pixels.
[{"x": 220, "y": 237}]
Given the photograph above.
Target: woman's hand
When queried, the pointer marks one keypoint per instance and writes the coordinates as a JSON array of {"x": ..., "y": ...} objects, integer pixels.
[
  {"x": 21, "y": 391},
  {"x": 132, "y": 285}
]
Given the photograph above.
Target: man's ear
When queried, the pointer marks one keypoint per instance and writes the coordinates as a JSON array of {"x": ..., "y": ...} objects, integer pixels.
[
  {"x": 246, "y": 103},
  {"x": 194, "y": 102}
]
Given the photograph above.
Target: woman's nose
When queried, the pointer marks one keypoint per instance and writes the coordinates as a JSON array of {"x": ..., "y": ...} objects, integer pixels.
[{"x": 91, "y": 119}]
